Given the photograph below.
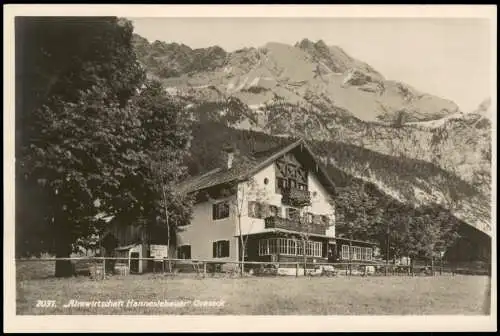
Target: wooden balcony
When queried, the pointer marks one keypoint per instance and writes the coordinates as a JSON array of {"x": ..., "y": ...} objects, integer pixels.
[
  {"x": 296, "y": 197},
  {"x": 294, "y": 225}
]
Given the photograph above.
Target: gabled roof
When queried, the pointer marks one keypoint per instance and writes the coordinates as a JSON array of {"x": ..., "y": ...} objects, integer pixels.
[{"x": 248, "y": 165}]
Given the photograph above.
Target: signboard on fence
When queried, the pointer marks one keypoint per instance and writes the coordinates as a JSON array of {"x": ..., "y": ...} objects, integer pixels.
[{"x": 158, "y": 251}]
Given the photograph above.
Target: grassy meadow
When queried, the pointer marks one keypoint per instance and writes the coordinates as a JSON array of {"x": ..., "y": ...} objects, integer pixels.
[{"x": 187, "y": 294}]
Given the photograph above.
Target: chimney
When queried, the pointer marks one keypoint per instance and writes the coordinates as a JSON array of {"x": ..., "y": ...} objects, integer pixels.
[{"x": 228, "y": 151}]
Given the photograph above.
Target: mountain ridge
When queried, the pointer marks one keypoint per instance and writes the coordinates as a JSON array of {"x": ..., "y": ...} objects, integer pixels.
[
  {"x": 306, "y": 61},
  {"x": 321, "y": 93}
]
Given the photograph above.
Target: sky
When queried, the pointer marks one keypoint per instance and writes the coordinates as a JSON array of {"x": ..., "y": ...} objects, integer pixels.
[{"x": 447, "y": 57}]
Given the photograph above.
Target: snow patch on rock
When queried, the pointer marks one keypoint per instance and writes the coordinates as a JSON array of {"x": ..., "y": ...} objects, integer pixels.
[{"x": 172, "y": 90}]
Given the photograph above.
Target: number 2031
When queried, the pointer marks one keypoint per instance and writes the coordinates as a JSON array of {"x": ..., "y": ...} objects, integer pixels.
[{"x": 45, "y": 303}]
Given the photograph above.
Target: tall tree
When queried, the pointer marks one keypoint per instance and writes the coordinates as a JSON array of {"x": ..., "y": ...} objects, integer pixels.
[
  {"x": 75, "y": 132},
  {"x": 164, "y": 140}
]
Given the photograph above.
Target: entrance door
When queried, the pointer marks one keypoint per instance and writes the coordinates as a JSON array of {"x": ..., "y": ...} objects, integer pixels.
[
  {"x": 332, "y": 253},
  {"x": 134, "y": 262}
]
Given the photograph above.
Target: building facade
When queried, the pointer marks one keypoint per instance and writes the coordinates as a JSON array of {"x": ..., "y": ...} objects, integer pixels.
[{"x": 275, "y": 206}]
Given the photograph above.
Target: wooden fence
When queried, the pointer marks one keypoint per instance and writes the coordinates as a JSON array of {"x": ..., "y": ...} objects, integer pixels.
[{"x": 102, "y": 267}]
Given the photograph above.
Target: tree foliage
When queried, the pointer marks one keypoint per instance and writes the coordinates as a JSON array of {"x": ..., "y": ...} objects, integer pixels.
[
  {"x": 73, "y": 77},
  {"x": 164, "y": 141},
  {"x": 92, "y": 135},
  {"x": 399, "y": 229}
]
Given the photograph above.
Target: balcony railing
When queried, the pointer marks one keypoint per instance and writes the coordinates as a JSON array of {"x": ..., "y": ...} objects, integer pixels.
[
  {"x": 296, "y": 197},
  {"x": 294, "y": 225}
]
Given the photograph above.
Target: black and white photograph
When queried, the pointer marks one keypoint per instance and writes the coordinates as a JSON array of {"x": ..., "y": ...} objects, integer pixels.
[{"x": 279, "y": 162}]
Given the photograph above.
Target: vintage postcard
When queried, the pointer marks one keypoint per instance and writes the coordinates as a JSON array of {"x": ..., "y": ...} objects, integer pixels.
[{"x": 249, "y": 168}]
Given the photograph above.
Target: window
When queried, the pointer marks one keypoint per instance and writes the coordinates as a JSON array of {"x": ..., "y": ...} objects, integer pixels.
[
  {"x": 314, "y": 249},
  {"x": 265, "y": 210},
  {"x": 292, "y": 250},
  {"x": 309, "y": 218},
  {"x": 367, "y": 253},
  {"x": 300, "y": 247},
  {"x": 302, "y": 177},
  {"x": 309, "y": 248},
  {"x": 184, "y": 252},
  {"x": 273, "y": 246},
  {"x": 292, "y": 213},
  {"x": 263, "y": 247},
  {"x": 291, "y": 247},
  {"x": 325, "y": 220},
  {"x": 290, "y": 174},
  {"x": 287, "y": 246},
  {"x": 316, "y": 219},
  {"x": 283, "y": 245},
  {"x": 261, "y": 210},
  {"x": 317, "y": 249},
  {"x": 274, "y": 211},
  {"x": 345, "y": 252},
  {"x": 266, "y": 180},
  {"x": 356, "y": 252},
  {"x": 220, "y": 210},
  {"x": 254, "y": 209},
  {"x": 281, "y": 183},
  {"x": 220, "y": 249}
]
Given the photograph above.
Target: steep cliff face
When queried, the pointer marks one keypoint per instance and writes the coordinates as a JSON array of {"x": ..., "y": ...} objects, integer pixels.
[{"x": 321, "y": 93}]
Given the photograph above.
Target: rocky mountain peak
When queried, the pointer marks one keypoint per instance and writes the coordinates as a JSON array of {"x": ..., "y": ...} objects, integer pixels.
[
  {"x": 320, "y": 44},
  {"x": 321, "y": 93},
  {"x": 304, "y": 44},
  {"x": 484, "y": 108}
]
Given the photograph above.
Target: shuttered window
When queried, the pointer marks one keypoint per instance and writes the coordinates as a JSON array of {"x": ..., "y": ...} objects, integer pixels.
[
  {"x": 262, "y": 210},
  {"x": 292, "y": 213},
  {"x": 265, "y": 210},
  {"x": 220, "y": 210},
  {"x": 220, "y": 249},
  {"x": 274, "y": 211},
  {"x": 325, "y": 220},
  {"x": 253, "y": 209},
  {"x": 316, "y": 219},
  {"x": 309, "y": 218}
]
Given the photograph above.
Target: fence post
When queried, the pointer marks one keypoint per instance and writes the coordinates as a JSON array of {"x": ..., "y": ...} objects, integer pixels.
[{"x": 104, "y": 268}]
